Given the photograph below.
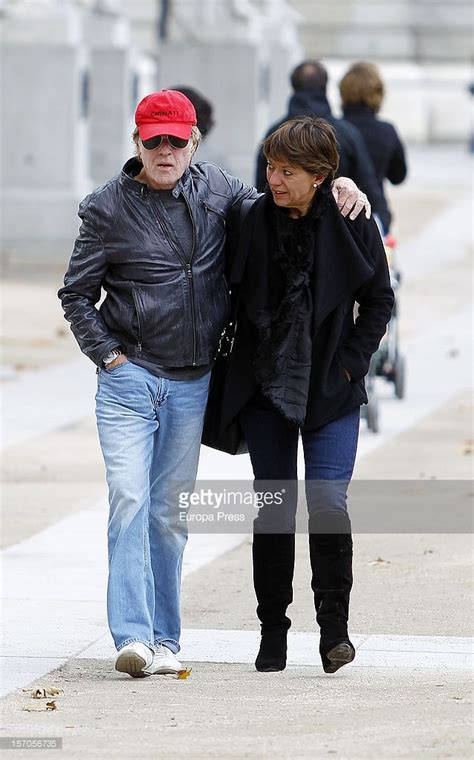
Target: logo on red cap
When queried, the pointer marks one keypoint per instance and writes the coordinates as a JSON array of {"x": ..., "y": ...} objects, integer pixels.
[{"x": 167, "y": 112}]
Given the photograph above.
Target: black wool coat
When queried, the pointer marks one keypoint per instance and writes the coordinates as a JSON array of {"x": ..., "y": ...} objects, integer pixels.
[
  {"x": 350, "y": 267},
  {"x": 385, "y": 148},
  {"x": 383, "y": 143}
]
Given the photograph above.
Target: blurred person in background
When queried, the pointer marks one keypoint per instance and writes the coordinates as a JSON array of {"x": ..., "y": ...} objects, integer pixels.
[
  {"x": 297, "y": 367},
  {"x": 202, "y": 106},
  {"x": 309, "y": 82},
  {"x": 362, "y": 92},
  {"x": 153, "y": 239}
]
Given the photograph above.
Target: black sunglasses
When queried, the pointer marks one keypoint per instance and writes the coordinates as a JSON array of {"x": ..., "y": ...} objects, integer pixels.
[{"x": 155, "y": 142}]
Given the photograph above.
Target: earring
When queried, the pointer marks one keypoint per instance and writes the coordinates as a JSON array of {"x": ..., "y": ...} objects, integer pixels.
[{"x": 315, "y": 184}]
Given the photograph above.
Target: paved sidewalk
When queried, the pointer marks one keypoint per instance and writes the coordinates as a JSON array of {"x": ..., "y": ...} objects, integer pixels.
[{"x": 232, "y": 712}]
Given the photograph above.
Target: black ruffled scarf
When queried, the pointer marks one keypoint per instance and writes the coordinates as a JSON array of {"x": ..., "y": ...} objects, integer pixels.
[{"x": 280, "y": 305}]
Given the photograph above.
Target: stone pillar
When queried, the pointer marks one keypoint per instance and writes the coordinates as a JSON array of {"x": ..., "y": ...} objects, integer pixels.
[
  {"x": 230, "y": 75},
  {"x": 45, "y": 103},
  {"x": 114, "y": 90},
  {"x": 285, "y": 52}
]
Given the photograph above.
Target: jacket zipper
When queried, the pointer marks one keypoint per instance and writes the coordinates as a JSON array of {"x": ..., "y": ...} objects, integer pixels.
[
  {"x": 187, "y": 266},
  {"x": 190, "y": 278},
  {"x": 139, "y": 336}
]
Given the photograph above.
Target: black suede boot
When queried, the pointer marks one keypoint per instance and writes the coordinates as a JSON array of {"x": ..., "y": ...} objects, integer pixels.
[
  {"x": 331, "y": 563},
  {"x": 271, "y": 655},
  {"x": 273, "y": 566}
]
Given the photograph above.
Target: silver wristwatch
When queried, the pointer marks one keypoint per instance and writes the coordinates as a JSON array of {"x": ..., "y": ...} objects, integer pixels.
[{"x": 111, "y": 356}]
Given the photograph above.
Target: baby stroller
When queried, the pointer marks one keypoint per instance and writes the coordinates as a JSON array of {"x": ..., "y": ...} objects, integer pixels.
[
  {"x": 370, "y": 410},
  {"x": 388, "y": 361}
]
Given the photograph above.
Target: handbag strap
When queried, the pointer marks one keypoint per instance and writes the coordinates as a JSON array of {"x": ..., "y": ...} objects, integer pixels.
[
  {"x": 227, "y": 337},
  {"x": 241, "y": 255}
]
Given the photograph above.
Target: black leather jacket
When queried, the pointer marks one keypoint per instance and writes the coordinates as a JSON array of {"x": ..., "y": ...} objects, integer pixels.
[{"x": 157, "y": 306}]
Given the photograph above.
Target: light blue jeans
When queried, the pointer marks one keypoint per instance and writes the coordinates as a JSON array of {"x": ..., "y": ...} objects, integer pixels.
[{"x": 150, "y": 434}]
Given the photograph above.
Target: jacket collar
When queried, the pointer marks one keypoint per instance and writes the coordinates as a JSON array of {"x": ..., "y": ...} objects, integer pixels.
[
  {"x": 342, "y": 265},
  {"x": 132, "y": 167},
  {"x": 309, "y": 102},
  {"x": 358, "y": 109},
  {"x": 342, "y": 262}
]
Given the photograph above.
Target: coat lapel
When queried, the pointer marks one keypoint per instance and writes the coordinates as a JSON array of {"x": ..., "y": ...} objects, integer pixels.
[{"x": 341, "y": 263}]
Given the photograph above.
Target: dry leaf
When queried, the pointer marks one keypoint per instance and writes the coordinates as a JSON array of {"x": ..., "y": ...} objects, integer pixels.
[
  {"x": 380, "y": 561},
  {"x": 182, "y": 674},
  {"x": 40, "y": 706},
  {"x": 46, "y": 691},
  {"x": 53, "y": 691}
]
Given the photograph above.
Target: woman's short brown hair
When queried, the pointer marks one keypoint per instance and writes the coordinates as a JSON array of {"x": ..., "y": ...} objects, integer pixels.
[
  {"x": 305, "y": 142},
  {"x": 362, "y": 84}
]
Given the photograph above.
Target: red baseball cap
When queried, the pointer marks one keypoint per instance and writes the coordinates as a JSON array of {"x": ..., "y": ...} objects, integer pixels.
[{"x": 167, "y": 112}]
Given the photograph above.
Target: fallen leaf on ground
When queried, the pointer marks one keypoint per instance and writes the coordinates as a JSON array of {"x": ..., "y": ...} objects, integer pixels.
[
  {"x": 380, "y": 561},
  {"x": 46, "y": 691},
  {"x": 40, "y": 706},
  {"x": 182, "y": 674}
]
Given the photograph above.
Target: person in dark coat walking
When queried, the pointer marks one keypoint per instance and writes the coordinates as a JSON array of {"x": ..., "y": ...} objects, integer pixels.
[
  {"x": 362, "y": 93},
  {"x": 298, "y": 366},
  {"x": 309, "y": 82}
]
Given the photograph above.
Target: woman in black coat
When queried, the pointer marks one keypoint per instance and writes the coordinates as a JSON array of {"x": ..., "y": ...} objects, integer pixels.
[
  {"x": 298, "y": 366},
  {"x": 362, "y": 93}
]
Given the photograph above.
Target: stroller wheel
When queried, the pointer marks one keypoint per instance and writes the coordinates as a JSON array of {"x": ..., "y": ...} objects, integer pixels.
[
  {"x": 399, "y": 376},
  {"x": 372, "y": 413}
]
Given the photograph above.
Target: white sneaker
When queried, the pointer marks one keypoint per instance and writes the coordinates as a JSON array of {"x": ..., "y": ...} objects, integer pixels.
[
  {"x": 133, "y": 659},
  {"x": 164, "y": 662}
]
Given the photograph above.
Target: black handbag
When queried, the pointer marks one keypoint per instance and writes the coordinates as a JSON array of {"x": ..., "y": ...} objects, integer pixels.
[{"x": 231, "y": 438}]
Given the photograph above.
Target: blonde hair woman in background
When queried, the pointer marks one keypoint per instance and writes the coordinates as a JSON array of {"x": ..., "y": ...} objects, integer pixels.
[{"x": 362, "y": 92}]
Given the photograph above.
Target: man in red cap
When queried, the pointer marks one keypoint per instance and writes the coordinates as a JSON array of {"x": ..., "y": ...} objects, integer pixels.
[{"x": 153, "y": 238}]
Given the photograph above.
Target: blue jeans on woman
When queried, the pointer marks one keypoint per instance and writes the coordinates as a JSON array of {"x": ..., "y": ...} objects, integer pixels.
[
  {"x": 329, "y": 454},
  {"x": 150, "y": 434},
  {"x": 329, "y": 459}
]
